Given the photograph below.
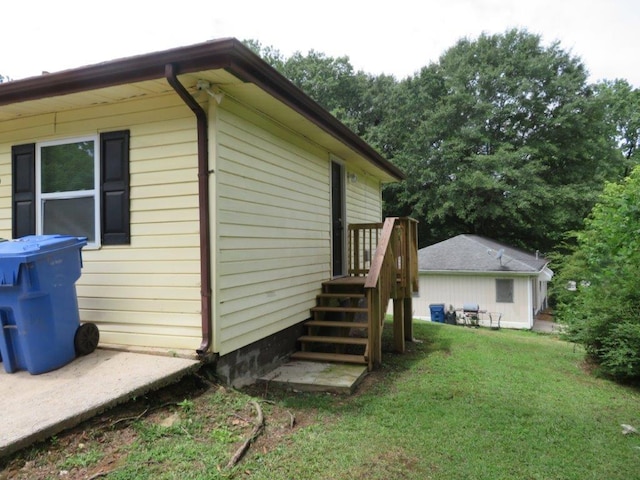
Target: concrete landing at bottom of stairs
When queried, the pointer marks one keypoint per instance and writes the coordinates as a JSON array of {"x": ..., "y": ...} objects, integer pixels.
[{"x": 316, "y": 376}]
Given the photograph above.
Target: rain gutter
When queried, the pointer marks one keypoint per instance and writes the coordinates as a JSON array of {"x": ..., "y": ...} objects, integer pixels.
[{"x": 171, "y": 72}]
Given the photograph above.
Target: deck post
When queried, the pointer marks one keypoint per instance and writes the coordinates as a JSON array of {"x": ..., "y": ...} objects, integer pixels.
[
  {"x": 372, "y": 330},
  {"x": 398, "y": 325},
  {"x": 375, "y": 330},
  {"x": 408, "y": 319},
  {"x": 355, "y": 255}
]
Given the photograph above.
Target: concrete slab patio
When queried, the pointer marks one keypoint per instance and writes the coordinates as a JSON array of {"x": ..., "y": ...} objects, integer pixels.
[
  {"x": 35, "y": 407},
  {"x": 316, "y": 376}
]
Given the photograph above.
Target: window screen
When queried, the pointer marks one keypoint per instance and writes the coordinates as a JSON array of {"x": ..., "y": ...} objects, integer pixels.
[{"x": 504, "y": 290}]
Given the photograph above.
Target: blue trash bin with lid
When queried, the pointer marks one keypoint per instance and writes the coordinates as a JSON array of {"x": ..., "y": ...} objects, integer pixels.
[
  {"x": 437, "y": 312},
  {"x": 40, "y": 326}
]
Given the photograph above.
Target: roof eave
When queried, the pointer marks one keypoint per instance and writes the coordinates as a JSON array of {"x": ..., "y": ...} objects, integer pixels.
[
  {"x": 229, "y": 54},
  {"x": 492, "y": 273}
]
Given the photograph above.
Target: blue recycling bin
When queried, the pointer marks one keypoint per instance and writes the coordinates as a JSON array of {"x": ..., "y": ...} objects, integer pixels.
[
  {"x": 437, "y": 312},
  {"x": 39, "y": 319}
]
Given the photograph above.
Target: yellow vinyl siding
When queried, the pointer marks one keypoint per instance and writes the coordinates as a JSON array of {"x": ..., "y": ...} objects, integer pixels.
[
  {"x": 364, "y": 199},
  {"x": 272, "y": 227},
  {"x": 147, "y": 293},
  {"x": 271, "y": 221}
]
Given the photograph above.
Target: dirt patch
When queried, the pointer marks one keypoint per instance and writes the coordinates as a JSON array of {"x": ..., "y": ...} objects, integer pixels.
[
  {"x": 392, "y": 463},
  {"x": 104, "y": 436},
  {"x": 102, "y": 444},
  {"x": 545, "y": 315}
]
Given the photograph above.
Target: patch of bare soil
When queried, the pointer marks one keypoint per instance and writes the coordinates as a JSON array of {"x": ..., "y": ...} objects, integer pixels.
[
  {"x": 105, "y": 435},
  {"x": 108, "y": 436},
  {"x": 546, "y": 315}
]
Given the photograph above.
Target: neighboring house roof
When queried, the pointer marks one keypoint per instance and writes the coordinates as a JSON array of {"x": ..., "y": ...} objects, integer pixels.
[
  {"x": 227, "y": 63},
  {"x": 473, "y": 253}
]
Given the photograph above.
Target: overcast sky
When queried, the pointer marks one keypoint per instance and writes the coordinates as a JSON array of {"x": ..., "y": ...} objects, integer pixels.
[{"x": 397, "y": 37}]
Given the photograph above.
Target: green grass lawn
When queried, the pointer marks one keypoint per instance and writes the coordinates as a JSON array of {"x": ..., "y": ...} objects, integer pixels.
[
  {"x": 469, "y": 404},
  {"x": 460, "y": 404}
]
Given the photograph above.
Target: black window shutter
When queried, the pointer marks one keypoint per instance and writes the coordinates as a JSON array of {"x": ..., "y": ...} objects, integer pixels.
[
  {"x": 23, "y": 194},
  {"x": 114, "y": 160}
]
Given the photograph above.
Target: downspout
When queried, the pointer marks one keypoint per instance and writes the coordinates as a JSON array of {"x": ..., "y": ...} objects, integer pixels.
[{"x": 203, "y": 204}]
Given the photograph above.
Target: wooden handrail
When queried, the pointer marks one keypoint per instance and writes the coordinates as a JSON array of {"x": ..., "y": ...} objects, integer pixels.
[
  {"x": 382, "y": 251},
  {"x": 363, "y": 241},
  {"x": 380, "y": 286},
  {"x": 391, "y": 273},
  {"x": 366, "y": 242}
]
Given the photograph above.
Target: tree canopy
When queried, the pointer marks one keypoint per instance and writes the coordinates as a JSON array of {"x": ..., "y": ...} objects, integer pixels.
[
  {"x": 355, "y": 98},
  {"x": 502, "y": 136},
  {"x": 621, "y": 104},
  {"x": 505, "y": 141}
]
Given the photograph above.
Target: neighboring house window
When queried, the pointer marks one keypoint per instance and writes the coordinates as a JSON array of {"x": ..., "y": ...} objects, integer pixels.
[
  {"x": 504, "y": 290},
  {"x": 74, "y": 187}
]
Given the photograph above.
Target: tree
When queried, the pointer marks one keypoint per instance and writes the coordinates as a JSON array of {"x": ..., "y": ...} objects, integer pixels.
[
  {"x": 502, "y": 137},
  {"x": 269, "y": 54},
  {"x": 622, "y": 115},
  {"x": 602, "y": 306},
  {"x": 357, "y": 99}
]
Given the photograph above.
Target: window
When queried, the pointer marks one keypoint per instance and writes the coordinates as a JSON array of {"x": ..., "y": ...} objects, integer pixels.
[
  {"x": 504, "y": 290},
  {"x": 75, "y": 187},
  {"x": 67, "y": 187}
]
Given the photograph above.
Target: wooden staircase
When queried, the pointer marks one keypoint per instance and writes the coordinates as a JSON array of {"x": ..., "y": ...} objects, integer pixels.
[
  {"x": 338, "y": 329},
  {"x": 347, "y": 322}
]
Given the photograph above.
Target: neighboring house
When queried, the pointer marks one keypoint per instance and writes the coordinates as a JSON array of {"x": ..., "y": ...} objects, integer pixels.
[
  {"x": 469, "y": 269},
  {"x": 215, "y": 196}
]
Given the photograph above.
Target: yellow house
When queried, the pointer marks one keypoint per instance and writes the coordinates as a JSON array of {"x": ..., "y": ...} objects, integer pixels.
[{"x": 215, "y": 196}]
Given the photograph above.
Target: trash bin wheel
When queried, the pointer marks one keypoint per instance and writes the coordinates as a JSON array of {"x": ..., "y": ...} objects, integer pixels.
[{"x": 86, "y": 339}]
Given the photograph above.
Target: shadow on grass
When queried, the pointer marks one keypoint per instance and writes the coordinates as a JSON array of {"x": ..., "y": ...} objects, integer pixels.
[
  {"x": 428, "y": 339},
  {"x": 430, "y": 335}
]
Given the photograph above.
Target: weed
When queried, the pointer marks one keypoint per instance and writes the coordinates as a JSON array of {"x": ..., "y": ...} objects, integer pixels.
[
  {"x": 82, "y": 459},
  {"x": 223, "y": 435},
  {"x": 186, "y": 405}
]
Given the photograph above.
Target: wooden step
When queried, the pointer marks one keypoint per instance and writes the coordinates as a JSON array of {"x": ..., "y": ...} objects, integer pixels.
[
  {"x": 336, "y": 340},
  {"x": 339, "y": 295},
  {"x": 341, "y": 281},
  {"x": 340, "y": 309},
  {"x": 329, "y": 323},
  {"x": 344, "y": 285},
  {"x": 330, "y": 357}
]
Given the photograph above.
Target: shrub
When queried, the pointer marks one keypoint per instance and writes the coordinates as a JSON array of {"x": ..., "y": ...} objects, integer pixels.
[{"x": 603, "y": 312}]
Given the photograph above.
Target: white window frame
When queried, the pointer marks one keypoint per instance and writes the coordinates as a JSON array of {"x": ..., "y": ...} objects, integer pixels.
[{"x": 95, "y": 193}]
